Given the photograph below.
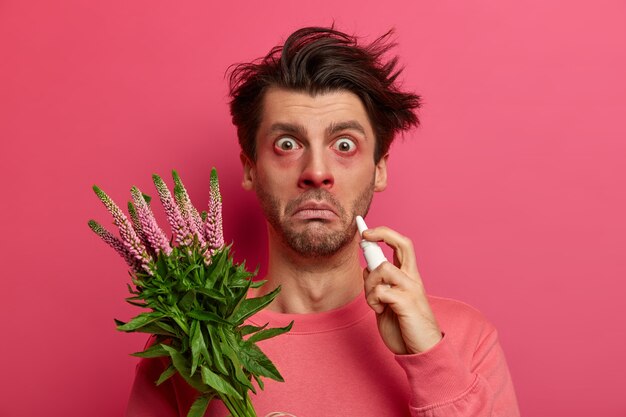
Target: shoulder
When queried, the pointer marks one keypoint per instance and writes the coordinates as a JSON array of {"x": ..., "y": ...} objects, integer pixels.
[
  {"x": 461, "y": 321},
  {"x": 455, "y": 308}
]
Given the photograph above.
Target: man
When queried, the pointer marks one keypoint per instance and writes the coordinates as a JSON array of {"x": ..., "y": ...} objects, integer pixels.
[{"x": 315, "y": 119}]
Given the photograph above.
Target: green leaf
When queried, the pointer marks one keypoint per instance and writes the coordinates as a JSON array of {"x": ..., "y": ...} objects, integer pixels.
[
  {"x": 240, "y": 376},
  {"x": 251, "y": 305},
  {"x": 189, "y": 269},
  {"x": 269, "y": 333},
  {"x": 239, "y": 282},
  {"x": 154, "y": 351},
  {"x": 178, "y": 360},
  {"x": 212, "y": 294},
  {"x": 197, "y": 345},
  {"x": 195, "y": 353},
  {"x": 215, "y": 348},
  {"x": 199, "y": 406},
  {"x": 180, "y": 320},
  {"x": 218, "y": 260},
  {"x": 242, "y": 274},
  {"x": 141, "y": 320},
  {"x": 249, "y": 329},
  {"x": 218, "y": 383},
  {"x": 256, "y": 362},
  {"x": 155, "y": 328},
  {"x": 237, "y": 297},
  {"x": 186, "y": 302},
  {"x": 131, "y": 300},
  {"x": 162, "y": 265},
  {"x": 168, "y": 329},
  {"x": 208, "y": 316},
  {"x": 258, "y": 284},
  {"x": 167, "y": 374},
  {"x": 259, "y": 381},
  {"x": 241, "y": 291}
]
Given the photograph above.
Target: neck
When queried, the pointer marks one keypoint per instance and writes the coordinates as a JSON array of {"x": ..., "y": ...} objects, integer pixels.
[{"x": 310, "y": 285}]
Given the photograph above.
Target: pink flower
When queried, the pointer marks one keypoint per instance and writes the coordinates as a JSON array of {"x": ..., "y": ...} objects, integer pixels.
[
  {"x": 114, "y": 242},
  {"x": 180, "y": 229},
  {"x": 187, "y": 210},
  {"x": 213, "y": 230},
  {"x": 143, "y": 238},
  {"x": 130, "y": 239},
  {"x": 137, "y": 225},
  {"x": 150, "y": 229}
]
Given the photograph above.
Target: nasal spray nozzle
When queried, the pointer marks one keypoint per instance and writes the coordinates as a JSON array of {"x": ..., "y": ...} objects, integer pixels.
[{"x": 373, "y": 254}]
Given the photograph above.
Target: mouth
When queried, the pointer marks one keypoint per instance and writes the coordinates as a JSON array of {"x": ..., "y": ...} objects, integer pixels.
[{"x": 313, "y": 210}]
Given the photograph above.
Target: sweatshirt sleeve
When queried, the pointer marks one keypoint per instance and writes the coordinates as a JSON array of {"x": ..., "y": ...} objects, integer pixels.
[
  {"x": 442, "y": 383},
  {"x": 146, "y": 398}
]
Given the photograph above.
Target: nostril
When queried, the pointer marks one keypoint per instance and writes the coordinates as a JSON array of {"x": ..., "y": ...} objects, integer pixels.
[
  {"x": 315, "y": 175},
  {"x": 316, "y": 182}
]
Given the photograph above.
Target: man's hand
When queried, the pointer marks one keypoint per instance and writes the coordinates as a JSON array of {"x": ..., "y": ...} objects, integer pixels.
[{"x": 396, "y": 293}]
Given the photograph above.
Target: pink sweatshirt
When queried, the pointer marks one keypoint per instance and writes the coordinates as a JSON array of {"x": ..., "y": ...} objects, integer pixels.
[{"x": 335, "y": 364}]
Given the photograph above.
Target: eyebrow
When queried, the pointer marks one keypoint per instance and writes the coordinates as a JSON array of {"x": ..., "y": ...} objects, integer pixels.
[
  {"x": 300, "y": 130},
  {"x": 349, "y": 125},
  {"x": 291, "y": 128}
]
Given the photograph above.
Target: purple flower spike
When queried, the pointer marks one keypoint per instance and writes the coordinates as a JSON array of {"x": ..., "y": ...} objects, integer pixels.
[
  {"x": 155, "y": 237},
  {"x": 180, "y": 229},
  {"x": 187, "y": 210},
  {"x": 213, "y": 230},
  {"x": 130, "y": 240},
  {"x": 137, "y": 224},
  {"x": 114, "y": 242}
]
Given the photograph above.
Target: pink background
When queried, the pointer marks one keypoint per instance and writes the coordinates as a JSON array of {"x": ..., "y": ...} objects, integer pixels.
[{"x": 512, "y": 191}]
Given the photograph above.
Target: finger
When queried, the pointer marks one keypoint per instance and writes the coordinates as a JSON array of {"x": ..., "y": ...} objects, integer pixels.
[
  {"x": 368, "y": 280},
  {"x": 388, "y": 275},
  {"x": 401, "y": 245},
  {"x": 378, "y": 298},
  {"x": 382, "y": 295}
]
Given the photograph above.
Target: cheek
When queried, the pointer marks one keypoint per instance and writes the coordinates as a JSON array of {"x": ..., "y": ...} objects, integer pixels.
[
  {"x": 359, "y": 160},
  {"x": 278, "y": 172},
  {"x": 355, "y": 170},
  {"x": 272, "y": 161},
  {"x": 272, "y": 179}
]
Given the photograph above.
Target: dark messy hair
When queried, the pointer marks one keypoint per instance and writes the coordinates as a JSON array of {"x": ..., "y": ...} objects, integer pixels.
[{"x": 319, "y": 60}]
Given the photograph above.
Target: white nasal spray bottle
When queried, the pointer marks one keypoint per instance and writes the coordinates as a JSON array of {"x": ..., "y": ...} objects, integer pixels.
[{"x": 373, "y": 254}]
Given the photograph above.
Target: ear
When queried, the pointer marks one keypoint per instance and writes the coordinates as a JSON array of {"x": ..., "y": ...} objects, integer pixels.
[
  {"x": 380, "y": 181},
  {"x": 249, "y": 173}
]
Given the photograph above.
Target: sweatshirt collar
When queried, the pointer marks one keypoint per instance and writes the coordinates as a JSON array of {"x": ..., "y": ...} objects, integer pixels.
[{"x": 344, "y": 316}]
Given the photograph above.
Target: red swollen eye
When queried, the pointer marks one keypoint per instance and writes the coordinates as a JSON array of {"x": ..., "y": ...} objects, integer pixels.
[
  {"x": 286, "y": 144},
  {"x": 345, "y": 145}
]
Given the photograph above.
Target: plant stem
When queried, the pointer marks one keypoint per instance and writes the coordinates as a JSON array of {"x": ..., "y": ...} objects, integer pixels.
[
  {"x": 250, "y": 410},
  {"x": 238, "y": 408}
]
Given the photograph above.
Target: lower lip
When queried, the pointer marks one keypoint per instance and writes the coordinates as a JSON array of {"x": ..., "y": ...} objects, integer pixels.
[{"x": 314, "y": 214}]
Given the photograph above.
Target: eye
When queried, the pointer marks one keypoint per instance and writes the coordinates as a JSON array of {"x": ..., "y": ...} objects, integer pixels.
[
  {"x": 286, "y": 144},
  {"x": 345, "y": 145}
]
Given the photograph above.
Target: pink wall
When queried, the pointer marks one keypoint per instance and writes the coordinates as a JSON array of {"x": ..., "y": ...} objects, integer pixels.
[{"x": 512, "y": 191}]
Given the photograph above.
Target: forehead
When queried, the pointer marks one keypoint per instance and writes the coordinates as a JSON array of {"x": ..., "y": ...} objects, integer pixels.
[{"x": 320, "y": 110}]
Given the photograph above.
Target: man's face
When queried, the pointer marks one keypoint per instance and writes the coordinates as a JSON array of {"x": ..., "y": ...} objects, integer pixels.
[{"x": 315, "y": 168}]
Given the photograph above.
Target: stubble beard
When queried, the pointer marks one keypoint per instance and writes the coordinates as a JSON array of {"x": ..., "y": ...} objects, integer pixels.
[{"x": 314, "y": 240}]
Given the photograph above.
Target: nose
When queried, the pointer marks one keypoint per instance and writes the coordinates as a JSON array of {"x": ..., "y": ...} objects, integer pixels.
[{"x": 316, "y": 172}]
